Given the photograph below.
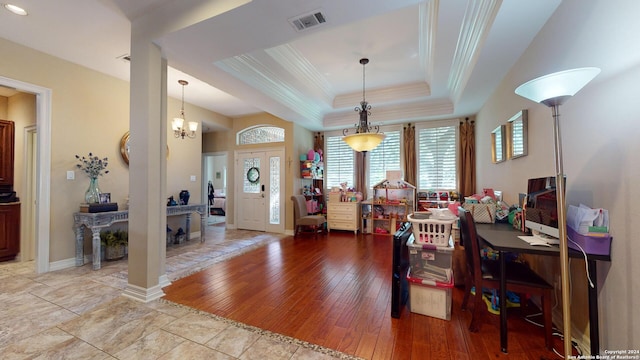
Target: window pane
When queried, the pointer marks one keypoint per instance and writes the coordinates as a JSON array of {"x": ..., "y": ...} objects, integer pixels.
[
  {"x": 437, "y": 158},
  {"x": 384, "y": 157},
  {"x": 338, "y": 162},
  {"x": 260, "y": 135}
]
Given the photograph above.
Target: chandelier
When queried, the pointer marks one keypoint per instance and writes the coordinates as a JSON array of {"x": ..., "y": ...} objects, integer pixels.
[
  {"x": 178, "y": 123},
  {"x": 366, "y": 137}
]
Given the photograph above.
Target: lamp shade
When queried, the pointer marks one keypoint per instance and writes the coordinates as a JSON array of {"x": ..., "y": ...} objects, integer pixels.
[
  {"x": 177, "y": 123},
  {"x": 193, "y": 126},
  {"x": 553, "y": 89},
  {"x": 364, "y": 141}
]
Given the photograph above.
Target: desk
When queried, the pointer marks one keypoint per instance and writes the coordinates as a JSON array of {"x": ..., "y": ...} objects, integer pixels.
[
  {"x": 504, "y": 238},
  {"x": 97, "y": 221}
]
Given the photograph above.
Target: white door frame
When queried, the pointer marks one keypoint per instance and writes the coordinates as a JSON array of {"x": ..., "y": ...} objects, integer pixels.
[
  {"x": 43, "y": 160},
  {"x": 28, "y": 223}
]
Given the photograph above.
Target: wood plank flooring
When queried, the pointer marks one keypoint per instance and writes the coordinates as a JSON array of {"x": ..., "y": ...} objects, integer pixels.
[{"x": 336, "y": 292}]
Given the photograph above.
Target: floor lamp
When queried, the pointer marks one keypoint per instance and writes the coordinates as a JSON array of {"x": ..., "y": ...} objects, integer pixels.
[{"x": 553, "y": 90}]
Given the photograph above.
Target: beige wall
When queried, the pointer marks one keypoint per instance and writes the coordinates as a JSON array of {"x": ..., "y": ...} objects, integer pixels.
[
  {"x": 90, "y": 113},
  {"x": 600, "y": 130}
]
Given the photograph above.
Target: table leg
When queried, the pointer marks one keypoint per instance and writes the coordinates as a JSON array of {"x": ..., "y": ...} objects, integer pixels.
[
  {"x": 95, "y": 239},
  {"x": 202, "y": 227},
  {"x": 79, "y": 245},
  {"x": 187, "y": 227},
  {"x": 503, "y": 302},
  {"x": 594, "y": 331}
]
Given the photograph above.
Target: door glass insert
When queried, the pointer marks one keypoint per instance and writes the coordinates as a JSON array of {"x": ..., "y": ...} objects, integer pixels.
[
  {"x": 251, "y": 179},
  {"x": 274, "y": 190}
]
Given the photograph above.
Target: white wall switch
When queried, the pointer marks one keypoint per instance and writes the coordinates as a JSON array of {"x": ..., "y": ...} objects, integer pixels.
[
  {"x": 193, "y": 178},
  {"x": 71, "y": 175}
]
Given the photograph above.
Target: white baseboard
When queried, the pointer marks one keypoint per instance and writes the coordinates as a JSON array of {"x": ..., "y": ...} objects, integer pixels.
[
  {"x": 584, "y": 341},
  {"x": 164, "y": 281},
  {"x": 143, "y": 294},
  {"x": 64, "y": 264}
]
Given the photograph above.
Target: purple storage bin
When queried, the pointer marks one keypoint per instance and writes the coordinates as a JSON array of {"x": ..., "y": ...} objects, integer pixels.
[{"x": 595, "y": 245}]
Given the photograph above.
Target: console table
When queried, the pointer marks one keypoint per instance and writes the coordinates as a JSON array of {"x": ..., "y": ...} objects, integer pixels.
[{"x": 97, "y": 221}]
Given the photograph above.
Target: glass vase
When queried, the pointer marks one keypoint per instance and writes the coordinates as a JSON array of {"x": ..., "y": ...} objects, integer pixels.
[{"x": 92, "y": 195}]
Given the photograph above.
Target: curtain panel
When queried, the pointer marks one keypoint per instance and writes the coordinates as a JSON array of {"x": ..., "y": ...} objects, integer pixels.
[{"x": 467, "y": 178}]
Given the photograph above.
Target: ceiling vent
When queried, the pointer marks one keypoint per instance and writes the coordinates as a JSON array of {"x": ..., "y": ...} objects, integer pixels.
[{"x": 306, "y": 21}]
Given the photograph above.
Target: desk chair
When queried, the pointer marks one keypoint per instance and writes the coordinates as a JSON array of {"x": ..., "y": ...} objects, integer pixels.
[
  {"x": 302, "y": 217},
  {"x": 486, "y": 274}
]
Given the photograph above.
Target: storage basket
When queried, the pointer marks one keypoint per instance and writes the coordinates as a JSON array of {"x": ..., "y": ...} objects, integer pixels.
[
  {"x": 431, "y": 298},
  {"x": 430, "y": 262},
  {"x": 431, "y": 231}
]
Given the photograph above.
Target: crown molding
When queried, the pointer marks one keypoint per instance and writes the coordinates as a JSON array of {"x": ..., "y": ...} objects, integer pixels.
[
  {"x": 405, "y": 92},
  {"x": 393, "y": 113},
  {"x": 252, "y": 71},
  {"x": 478, "y": 18},
  {"x": 428, "y": 25},
  {"x": 302, "y": 70}
]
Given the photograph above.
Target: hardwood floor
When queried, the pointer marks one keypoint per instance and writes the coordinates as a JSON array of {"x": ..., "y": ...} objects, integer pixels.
[{"x": 336, "y": 292}]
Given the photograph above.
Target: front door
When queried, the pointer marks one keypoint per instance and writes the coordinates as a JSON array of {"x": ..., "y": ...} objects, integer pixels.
[{"x": 259, "y": 192}]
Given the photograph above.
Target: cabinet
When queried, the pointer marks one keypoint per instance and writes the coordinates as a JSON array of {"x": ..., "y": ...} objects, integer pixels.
[
  {"x": 312, "y": 184},
  {"x": 9, "y": 230},
  {"x": 343, "y": 216},
  {"x": 389, "y": 207},
  {"x": 7, "y": 131}
]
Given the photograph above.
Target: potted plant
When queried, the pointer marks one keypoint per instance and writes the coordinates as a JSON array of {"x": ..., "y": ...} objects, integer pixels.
[{"x": 114, "y": 243}]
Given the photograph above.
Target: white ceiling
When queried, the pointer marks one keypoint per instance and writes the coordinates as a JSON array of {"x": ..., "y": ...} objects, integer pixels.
[{"x": 428, "y": 59}]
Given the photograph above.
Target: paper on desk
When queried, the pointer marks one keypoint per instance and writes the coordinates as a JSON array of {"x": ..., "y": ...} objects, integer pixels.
[{"x": 581, "y": 217}]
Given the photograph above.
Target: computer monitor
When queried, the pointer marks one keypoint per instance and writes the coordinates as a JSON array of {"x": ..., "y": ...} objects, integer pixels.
[{"x": 541, "y": 214}]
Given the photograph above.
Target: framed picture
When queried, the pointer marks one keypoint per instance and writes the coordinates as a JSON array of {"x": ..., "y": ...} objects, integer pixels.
[
  {"x": 517, "y": 142},
  {"x": 498, "y": 145},
  {"x": 218, "y": 175},
  {"x": 105, "y": 198}
]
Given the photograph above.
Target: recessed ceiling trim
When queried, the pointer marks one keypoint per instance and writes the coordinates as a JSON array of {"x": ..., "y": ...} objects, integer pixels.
[
  {"x": 477, "y": 22},
  {"x": 428, "y": 25},
  {"x": 251, "y": 71},
  {"x": 380, "y": 96},
  {"x": 393, "y": 114},
  {"x": 302, "y": 70}
]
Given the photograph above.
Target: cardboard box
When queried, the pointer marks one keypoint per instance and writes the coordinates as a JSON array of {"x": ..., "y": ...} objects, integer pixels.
[{"x": 430, "y": 298}]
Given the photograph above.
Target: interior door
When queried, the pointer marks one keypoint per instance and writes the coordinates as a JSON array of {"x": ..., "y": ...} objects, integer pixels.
[{"x": 259, "y": 191}]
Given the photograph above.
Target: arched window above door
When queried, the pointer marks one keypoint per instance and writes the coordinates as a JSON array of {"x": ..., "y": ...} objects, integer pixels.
[{"x": 260, "y": 134}]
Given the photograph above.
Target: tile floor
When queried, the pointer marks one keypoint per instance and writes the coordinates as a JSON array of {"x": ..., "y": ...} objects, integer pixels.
[{"x": 78, "y": 313}]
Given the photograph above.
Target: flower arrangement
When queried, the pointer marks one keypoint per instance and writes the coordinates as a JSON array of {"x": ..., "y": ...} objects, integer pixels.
[{"x": 92, "y": 165}]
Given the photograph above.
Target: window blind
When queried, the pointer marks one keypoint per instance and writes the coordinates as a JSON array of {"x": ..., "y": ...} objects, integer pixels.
[
  {"x": 338, "y": 161},
  {"x": 437, "y": 157},
  {"x": 384, "y": 157},
  {"x": 517, "y": 137}
]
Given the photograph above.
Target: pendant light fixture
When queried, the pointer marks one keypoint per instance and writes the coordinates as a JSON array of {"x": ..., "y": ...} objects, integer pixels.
[
  {"x": 178, "y": 123},
  {"x": 366, "y": 137}
]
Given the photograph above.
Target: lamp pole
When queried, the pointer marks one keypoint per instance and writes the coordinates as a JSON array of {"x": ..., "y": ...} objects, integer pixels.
[
  {"x": 552, "y": 90},
  {"x": 562, "y": 232}
]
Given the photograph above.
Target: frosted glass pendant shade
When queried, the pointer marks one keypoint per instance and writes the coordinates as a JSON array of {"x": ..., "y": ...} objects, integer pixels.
[
  {"x": 554, "y": 89},
  {"x": 176, "y": 124},
  {"x": 363, "y": 141}
]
